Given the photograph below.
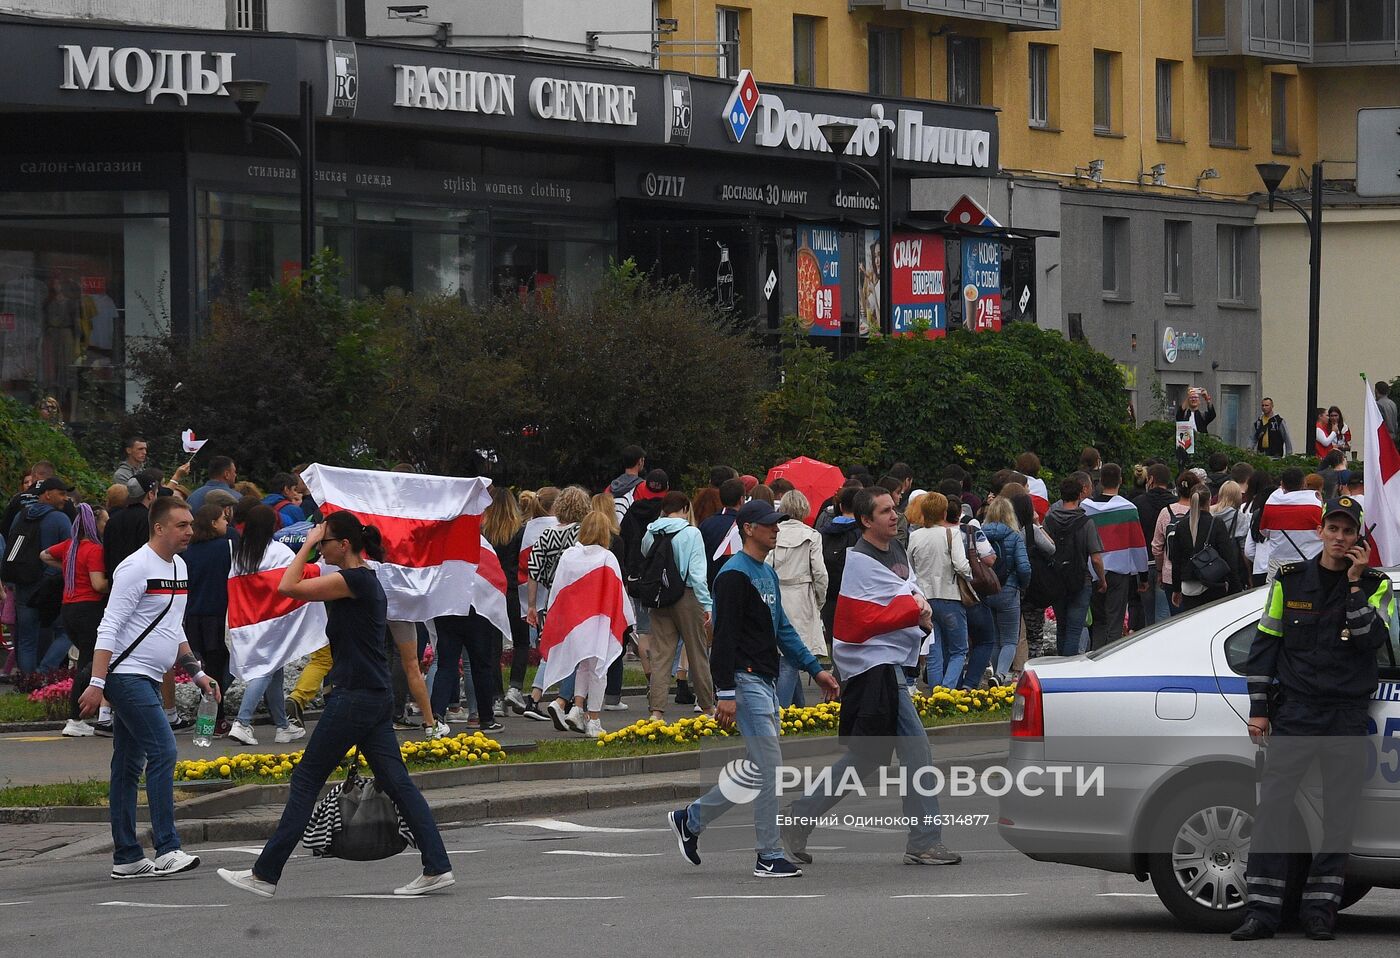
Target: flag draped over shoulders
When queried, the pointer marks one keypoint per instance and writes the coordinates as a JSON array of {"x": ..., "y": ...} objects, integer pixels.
[
  {"x": 1120, "y": 531},
  {"x": 877, "y": 618},
  {"x": 589, "y": 613}
]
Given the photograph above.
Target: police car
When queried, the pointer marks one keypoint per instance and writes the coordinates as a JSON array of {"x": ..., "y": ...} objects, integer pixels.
[{"x": 1160, "y": 718}]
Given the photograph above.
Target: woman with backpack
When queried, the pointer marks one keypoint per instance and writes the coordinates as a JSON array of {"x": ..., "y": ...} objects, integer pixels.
[
  {"x": 1227, "y": 509},
  {"x": 1013, "y": 570},
  {"x": 1204, "y": 560},
  {"x": 802, "y": 582},
  {"x": 683, "y": 621},
  {"x": 1184, "y": 484}
]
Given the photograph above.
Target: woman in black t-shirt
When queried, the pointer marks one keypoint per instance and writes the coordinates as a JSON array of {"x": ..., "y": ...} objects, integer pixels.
[{"x": 359, "y": 710}]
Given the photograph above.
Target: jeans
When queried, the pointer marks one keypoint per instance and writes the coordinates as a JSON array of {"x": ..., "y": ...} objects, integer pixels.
[
  {"x": 57, "y": 654},
  {"x": 29, "y": 634},
  {"x": 982, "y": 642},
  {"x": 911, "y": 745},
  {"x": 1005, "y": 608},
  {"x": 363, "y": 718},
  {"x": 472, "y": 634},
  {"x": 789, "y": 684},
  {"x": 1165, "y": 609},
  {"x": 267, "y": 687},
  {"x": 756, "y": 714},
  {"x": 141, "y": 739},
  {"x": 950, "y": 616},
  {"x": 1070, "y": 614}
]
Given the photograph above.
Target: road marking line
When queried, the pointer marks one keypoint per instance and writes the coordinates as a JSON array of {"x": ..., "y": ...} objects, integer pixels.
[
  {"x": 245, "y": 849},
  {"x": 718, "y": 897},
  {"x": 35, "y": 738},
  {"x": 4, "y": 903},
  {"x": 557, "y": 898},
  {"x": 555, "y": 825},
  {"x": 570, "y": 851},
  {"x": 466, "y": 851},
  {"x": 1011, "y": 894},
  {"x": 857, "y": 828},
  {"x": 1127, "y": 894},
  {"x": 151, "y": 904},
  {"x": 826, "y": 848},
  {"x": 388, "y": 897}
]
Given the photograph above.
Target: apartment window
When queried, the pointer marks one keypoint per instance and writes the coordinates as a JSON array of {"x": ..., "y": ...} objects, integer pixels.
[
  {"x": 250, "y": 15},
  {"x": 886, "y": 62},
  {"x": 1104, "y": 107},
  {"x": 1230, "y": 263},
  {"x": 1040, "y": 85},
  {"x": 1211, "y": 18},
  {"x": 1176, "y": 260},
  {"x": 1281, "y": 94},
  {"x": 804, "y": 51},
  {"x": 1115, "y": 257},
  {"x": 964, "y": 70},
  {"x": 1222, "y": 108},
  {"x": 727, "y": 33},
  {"x": 1166, "y": 99}
]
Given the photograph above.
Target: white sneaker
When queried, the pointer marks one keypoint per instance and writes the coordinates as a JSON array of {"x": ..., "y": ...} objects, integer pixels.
[
  {"x": 575, "y": 719},
  {"x": 245, "y": 880},
  {"x": 145, "y": 868},
  {"x": 242, "y": 733},
  {"x": 289, "y": 734},
  {"x": 426, "y": 883},
  {"x": 593, "y": 728},
  {"x": 172, "y": 863},
  {"x": 698, "y": 710},
  {"x": 615, "y": 707},
  {"x": 457, "y": 715},
  {"x": 516, "y": 700},
  {"x": 77, "y": 728}
]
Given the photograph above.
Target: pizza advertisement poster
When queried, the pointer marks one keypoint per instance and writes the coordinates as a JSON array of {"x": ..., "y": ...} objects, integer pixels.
[
  {"x": 819, "y": 280},
  {"x": 917, "y": 277},
  {"x": 981, "y": 292}
]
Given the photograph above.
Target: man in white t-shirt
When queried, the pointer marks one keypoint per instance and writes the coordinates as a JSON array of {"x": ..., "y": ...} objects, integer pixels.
[{"x": 141, "y": 636}]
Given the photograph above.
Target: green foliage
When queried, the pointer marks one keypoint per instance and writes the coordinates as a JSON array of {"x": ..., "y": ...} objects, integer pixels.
[
  {"x": 25, "y": 439},
  {"x": 1158, "y": 440}
]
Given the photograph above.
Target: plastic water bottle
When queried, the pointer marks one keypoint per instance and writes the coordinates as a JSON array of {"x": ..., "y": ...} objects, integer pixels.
[{"x": 204, "y": 721}]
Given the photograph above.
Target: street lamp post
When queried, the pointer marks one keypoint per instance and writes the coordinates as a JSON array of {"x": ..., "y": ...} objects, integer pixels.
[
  {"x": 1272, "y": 174},
  {"x": 248, "y": 96},
  {"x": 838, "y": 136}
]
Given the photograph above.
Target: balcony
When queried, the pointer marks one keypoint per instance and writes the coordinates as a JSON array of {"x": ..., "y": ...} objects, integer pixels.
[
  {"x": 1356, "y": 32},
  {"x": 1017, "y": 14},
  {"x": 1277, "y": 30}
]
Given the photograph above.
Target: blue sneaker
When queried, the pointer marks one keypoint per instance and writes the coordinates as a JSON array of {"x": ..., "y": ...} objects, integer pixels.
[
  {"x": 687, "y": 840},
  {"x": 776, "y": 868}
]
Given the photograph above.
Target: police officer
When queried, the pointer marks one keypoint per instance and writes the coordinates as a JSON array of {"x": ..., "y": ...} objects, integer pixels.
[{"x": 1324, "y": 622}]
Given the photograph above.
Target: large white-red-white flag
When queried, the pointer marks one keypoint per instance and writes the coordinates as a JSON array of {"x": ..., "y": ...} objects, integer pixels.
[
  {"x": 266, "y": 630},
  {"x": 489, "y": 600},
  {"x": 1382, "y": 472},
  {"x": 877, "y": 617},
  {"x": 431, "y": 527},
  {"x": 589, "y": 612}
]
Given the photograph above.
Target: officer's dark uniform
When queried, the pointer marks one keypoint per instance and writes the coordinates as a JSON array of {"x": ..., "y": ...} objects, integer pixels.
[{"x": 1318, "y": 638}]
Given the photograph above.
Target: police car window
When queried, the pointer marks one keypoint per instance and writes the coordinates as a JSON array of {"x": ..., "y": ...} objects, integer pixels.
[{"x": 1237, "y": 650}]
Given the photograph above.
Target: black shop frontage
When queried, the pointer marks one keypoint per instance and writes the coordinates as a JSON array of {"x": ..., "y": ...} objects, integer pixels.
[{"x": 129, "y": 197}]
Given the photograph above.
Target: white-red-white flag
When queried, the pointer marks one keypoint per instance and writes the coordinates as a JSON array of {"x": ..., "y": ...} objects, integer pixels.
[
  {"x": 191, "y": 444},
  {"x": 431, "y": 527},
  {"x": 266, "y": 629},
  {"x": 877, "y": 617},
  {"x": 489, "y": 600},
  {"x": 731, "y": 544},
  {"x": 1382, "y": 472},
  {"x": 1040, "y": 496},
  {"x": 589, "y": 612}
]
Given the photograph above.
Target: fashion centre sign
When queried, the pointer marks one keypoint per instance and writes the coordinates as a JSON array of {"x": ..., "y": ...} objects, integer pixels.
[{"x": 549, "y": 98}]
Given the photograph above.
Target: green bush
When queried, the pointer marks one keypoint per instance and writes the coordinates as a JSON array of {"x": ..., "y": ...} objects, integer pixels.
[
  {"x": 25, "y": 439},
  {"x": 1158, "y": 440}
]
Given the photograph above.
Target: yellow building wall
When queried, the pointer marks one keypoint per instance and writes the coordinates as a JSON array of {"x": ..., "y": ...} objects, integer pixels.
[{"x": 1139, "y": 32}]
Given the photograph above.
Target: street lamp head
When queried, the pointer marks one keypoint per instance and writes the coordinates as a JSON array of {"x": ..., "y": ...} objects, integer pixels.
[
  {"x": 1272, "y": 174},
  {"x": 247, "y": 95},
  {"x": 838, "y": 135}
]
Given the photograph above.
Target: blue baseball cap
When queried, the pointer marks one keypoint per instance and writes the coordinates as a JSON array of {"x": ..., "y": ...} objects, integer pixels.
[{"x": 759, "y": 513}]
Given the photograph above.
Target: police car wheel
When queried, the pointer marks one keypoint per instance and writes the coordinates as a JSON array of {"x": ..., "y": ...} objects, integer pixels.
[{"x": 1198, "y": 860}]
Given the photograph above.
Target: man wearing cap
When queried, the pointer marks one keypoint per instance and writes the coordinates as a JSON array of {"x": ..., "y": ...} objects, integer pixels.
[
  {"x": 1323, "y": 623},
  {"x": 750, "y": 632},
  {"x": 42, "y": 520}
]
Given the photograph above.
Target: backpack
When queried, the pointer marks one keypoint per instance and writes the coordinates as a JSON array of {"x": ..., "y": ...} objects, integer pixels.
[
  {"x": 660, "y": 584},
  {"x": 1003, "y": 564},
  {"x": 22, "y": 564},
  {"x": 1053, "y": 578}
]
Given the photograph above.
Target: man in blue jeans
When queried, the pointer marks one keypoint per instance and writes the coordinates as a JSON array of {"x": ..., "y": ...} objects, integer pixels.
[
  {"x": 750, "y": 631},
  {"x": 41, "y": 524},
  {"x": 1077, "y": 542}
]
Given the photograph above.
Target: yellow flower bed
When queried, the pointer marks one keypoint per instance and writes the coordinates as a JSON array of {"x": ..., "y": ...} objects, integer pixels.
[
  {"x": 807, "y": 720},
  {"x": 463, "y": 749}
]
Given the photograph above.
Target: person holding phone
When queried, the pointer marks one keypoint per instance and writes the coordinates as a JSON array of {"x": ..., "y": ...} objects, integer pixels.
[{"x": 1197, "y": 409}]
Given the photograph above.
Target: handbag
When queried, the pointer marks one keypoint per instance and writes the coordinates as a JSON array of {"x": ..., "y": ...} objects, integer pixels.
[
  {"x": 984, "y": 578},
  {"x": 356, "y": 821},
  {"x": 47, "y": 599},
  {"x": 1208, "y": 565},
  {"x": 965, "y": 591}
]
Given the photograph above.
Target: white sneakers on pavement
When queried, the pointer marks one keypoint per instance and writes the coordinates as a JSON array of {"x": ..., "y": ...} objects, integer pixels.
[
  {"x": 173, "y": 863},
  {"x": 245, "y": 880},
  {"x": 593, "y": 728},
  {"x": 145, "y": 868},
  {"x": 614, "y": 706},
  {"x": 242, "y": 733},
  {"x": 289, "y": 734},
  {"x": 576, "y": 719},
  {"x": 77, "y": 728},
  {"x": 426, "y": 883}
]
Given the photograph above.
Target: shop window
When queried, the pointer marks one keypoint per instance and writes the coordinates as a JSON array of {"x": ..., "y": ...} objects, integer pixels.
[
  {"x": 1039, "y": 56},
  {"x": 727, "y": 33},
  {"x": 1223, "y": 130},
  {"x": 886, "y": 61},
  {"x": 1176, "y": 260},
  {"x": 1168, "y": 123},
  {"x": 1116, "y": 283},
  {"x": 804, "y": 51},
  {"x": 250, "y": 15},
  {"x": 1106, "y": 73},
  {"x": 1281, "y": 86},
  {"x": 74, "y": 290},
  {"x": 964, "y": 70},
  {"x": 1231, "y": 246}
]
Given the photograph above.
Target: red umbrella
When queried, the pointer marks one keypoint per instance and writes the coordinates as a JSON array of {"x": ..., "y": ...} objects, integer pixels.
[{"x": 817, "y": 480}]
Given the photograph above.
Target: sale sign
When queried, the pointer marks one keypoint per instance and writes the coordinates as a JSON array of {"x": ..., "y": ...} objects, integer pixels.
[
  {"x": 981, "y": 272},
  {"x": 819, "y": 280},
  {"x": 918, "y": 272}
]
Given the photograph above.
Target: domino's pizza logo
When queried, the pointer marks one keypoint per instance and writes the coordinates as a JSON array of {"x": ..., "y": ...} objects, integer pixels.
[{"x": 743, "y": 103}]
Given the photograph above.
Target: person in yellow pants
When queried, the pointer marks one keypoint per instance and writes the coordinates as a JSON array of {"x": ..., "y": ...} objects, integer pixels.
[{"x": 309, "y": 685}]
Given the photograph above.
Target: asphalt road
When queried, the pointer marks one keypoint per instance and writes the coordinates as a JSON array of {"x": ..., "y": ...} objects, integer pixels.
[{"x": 612, "y": 883}]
